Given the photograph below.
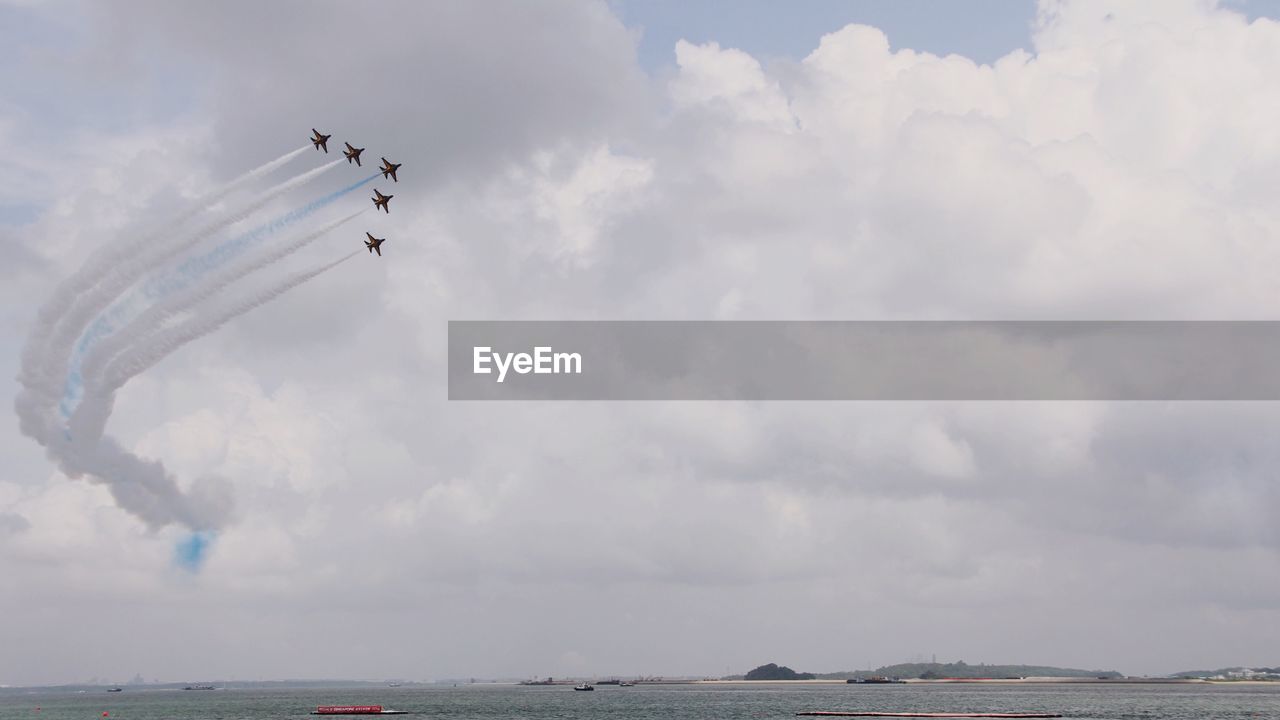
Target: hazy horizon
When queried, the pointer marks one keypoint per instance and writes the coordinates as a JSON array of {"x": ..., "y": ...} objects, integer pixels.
[{"x": 149, "y": 679}]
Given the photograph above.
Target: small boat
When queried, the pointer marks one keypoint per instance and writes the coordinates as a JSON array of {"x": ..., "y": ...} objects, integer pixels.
[
  {"x": 115, "y": 689},
  {"x": 624, "y": 683},
  {"x": 583, "y": 687}
]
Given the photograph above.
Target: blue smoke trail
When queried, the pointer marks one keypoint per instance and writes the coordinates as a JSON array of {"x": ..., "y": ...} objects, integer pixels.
[
  {"x": 121, "y": 312},
  {"x": 195, "y": 268},
  {"x": 190, "y": 553}
]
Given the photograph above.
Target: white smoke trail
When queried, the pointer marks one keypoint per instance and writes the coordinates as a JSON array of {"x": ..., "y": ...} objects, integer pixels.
[
  {"x": 153, "y": 318},
  {"x": 143, "y": 487},
  {"x": 50, "y": 317},
  {"x": 103, "y": 258},
  {"x": 157, "y": 347},
  {"x": 47, "y": 360},
  {"x": 146, "y": 489}
]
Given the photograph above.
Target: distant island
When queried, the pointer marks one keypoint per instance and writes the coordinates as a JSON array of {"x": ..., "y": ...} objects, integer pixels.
[
  {"x": 927, "y": 671},
  {"x": 777, "y": 672}
]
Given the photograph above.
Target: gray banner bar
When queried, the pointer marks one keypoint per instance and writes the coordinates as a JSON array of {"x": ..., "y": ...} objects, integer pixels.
[{"x": 768, "y": 360}]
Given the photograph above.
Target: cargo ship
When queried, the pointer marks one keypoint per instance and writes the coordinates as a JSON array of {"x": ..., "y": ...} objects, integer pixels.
[{"x": 355, "y": 710}]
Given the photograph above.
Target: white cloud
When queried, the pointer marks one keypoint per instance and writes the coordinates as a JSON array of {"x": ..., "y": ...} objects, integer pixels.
[
  {"x": 729, "y": 82},
  {"x": 601, "y": 186}
]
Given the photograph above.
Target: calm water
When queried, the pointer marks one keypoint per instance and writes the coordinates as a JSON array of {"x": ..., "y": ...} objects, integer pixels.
[{"x": 692, "y": 702}]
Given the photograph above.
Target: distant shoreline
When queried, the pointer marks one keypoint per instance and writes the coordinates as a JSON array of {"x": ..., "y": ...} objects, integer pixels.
[
  {"x": 375, "y": 685},
  {"x": 1000, "y": 681}
]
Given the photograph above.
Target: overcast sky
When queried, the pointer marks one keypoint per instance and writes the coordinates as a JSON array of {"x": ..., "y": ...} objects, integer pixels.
[{"x": 628, "y": 160}]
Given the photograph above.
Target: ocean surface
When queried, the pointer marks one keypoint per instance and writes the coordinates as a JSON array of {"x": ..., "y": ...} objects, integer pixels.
[{"x": 654, "y": 702}]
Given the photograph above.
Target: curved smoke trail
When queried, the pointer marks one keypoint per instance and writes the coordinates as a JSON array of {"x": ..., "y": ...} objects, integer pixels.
[
  {"x": 143, "y": 487},
  {"x": 45, "y": 368},
  {"x": 186, "y": 274},
  {"x": 52, "y": 320},
  {"x": 88, "y": 421},
  {"x": 51, "y": 313},
  {"x": 208, "y": 505}
]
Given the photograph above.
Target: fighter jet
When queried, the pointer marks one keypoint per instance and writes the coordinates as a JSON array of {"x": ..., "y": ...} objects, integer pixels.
[
  {"x": 380, "y": 201},
  {"x": 320, "y": 141},
  {"x": 353, "y": 153},
  {"x": 390, "y": 169},
  {"x": 374, "y": 244}
]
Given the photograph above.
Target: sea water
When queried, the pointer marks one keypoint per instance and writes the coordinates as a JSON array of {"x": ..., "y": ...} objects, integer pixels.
[{"x": 655, "y": 702}]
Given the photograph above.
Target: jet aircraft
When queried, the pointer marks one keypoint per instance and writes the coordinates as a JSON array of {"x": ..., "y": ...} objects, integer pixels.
[
  {"x": 374, "y": 244},
  {"x": 390, "y": 169},
  {"x": 353, "y": 153},
  {"x": 320, "y": 141},
  {"x": 380, "y": 201}
]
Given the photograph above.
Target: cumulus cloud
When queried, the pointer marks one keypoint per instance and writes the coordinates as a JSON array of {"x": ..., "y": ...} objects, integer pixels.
[{"x": 1124, "y": 166}]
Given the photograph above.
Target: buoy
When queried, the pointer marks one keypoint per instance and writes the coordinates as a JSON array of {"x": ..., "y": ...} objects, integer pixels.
[{"x": 106, "y": 714}]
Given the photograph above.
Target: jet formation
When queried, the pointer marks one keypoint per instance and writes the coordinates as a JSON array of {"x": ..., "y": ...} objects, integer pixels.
[{"x": 388, "y": 169}]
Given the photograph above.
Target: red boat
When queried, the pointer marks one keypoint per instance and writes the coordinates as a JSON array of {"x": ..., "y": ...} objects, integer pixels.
[{"x": 355, "y": 710}]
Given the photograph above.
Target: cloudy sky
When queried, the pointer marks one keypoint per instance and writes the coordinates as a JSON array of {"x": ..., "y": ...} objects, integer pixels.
[{"x": 626, "y": 160}]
